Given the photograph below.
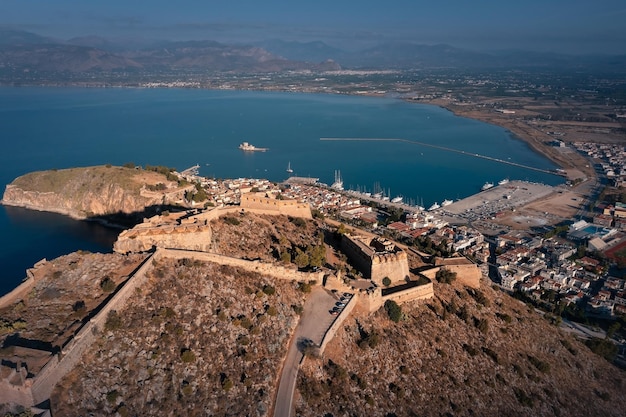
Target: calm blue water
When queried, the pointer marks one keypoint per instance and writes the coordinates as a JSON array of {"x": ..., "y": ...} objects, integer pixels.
[{"x": 45, "y": 128}]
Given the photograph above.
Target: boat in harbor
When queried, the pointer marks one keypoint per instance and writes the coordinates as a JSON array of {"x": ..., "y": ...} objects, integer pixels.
[
  {"x": 397, "y": 199},
  {"x": 503, "y": 181},
  {"x": 246, "y": 147},
  {"x": 487, "y": 186},
  {"x": 289, "y": 170},
  {"x": 338, "y": 184},
  {"x": 446, "y": 203},
  {"x": 435, "y": 206}
]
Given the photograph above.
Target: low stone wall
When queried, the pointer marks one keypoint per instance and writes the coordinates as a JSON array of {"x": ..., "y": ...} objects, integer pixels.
[
  {"x": 24, "y": 288},
  {"x": 264, "y": 268},
  {"x": 468, "y": 274},
  {"x": 421, "y": 292},
  {"x": 71, "y": 354},
  {"x": 330, "y": 333}
]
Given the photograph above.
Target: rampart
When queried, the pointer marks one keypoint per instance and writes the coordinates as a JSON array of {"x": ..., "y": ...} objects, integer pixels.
[
  {"x": 272, "y": 269},
  {"x": 330, "y": 333},
  {"x": 467, "y": 272},
  {"x": 24, "y": 288},
  {"x": 376, "y": 261},
  {"x": 158, "y": 232},
  {"x": 264, "y": 202},
  {"x": 36, "y": 390},
  {"x": 193, "y": 232}
]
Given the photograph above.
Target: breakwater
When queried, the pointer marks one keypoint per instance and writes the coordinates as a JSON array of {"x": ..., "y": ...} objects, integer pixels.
[{"x": 444, "y": 148}]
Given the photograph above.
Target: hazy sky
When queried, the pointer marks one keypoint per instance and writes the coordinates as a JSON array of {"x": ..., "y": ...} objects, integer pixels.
[{"x": 573, "y": 26}]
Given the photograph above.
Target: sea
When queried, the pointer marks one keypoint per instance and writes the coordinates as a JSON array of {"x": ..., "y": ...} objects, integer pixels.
[{"x": 56, "y": 128}]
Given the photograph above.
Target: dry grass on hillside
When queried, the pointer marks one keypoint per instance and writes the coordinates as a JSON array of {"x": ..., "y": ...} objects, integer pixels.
[
  {"x": 200, "y": 339},
  {"x": 463, "y": 353},
  {"x": 77, "y": 180},
  {"x": 265, "y": 237},
  {"x": 66, "y": 291}
]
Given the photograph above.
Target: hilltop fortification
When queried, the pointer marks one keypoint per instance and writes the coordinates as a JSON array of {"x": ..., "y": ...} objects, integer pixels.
[{"x": 376, "y": 258}]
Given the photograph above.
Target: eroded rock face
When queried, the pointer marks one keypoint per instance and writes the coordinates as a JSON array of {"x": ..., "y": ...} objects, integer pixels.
[
  {"x": 106, "y": 200},
  {"x": 87, "y": 192}
]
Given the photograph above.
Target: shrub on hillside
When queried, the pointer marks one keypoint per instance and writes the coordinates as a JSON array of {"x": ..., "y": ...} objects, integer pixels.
[
  {"x": 445, "y": 276},
  {"x": 394, "y": 311}
]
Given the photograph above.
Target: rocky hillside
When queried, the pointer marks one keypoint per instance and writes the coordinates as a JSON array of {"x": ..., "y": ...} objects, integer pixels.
[
  {"x": 264, "y": 237},
  {"x": 200, "y": 339},
  {"x": 463, "y": 353},
  {"x": 87, "y": 192}
]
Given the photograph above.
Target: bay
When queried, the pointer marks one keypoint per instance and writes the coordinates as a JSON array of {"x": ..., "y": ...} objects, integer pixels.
[{"x": 55, "y": 128}]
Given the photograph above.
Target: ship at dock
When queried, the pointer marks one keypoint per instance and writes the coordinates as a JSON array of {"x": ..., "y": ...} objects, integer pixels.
[
  {"x": 246, "y": 147},
  {"x": 503, "y": 181},
  {"x": 487, "y": 186},
  {"x": 446, "y": 203},
  {"x": 338, "y": 184}
]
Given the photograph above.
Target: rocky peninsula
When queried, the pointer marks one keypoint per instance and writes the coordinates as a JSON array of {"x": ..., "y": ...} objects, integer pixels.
[{"x": 107, "y": 193}]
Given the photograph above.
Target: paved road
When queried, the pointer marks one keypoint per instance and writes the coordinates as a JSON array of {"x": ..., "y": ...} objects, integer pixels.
[
  {"x": 314, "y": 323},
  {"x": 582, "y": 330}
]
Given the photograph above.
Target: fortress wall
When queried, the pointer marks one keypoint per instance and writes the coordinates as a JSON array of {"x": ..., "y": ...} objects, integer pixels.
[
  {"x": 18, "y": 293},
  {"x": 59, "y": 366},
  {"x": 395, "y": 266},
  {"x": 468, "y": 274},
  {"x": 271, "y": 269},
  {"x": 189, "y": 237},
  {"x": 330, "y": 333},
  {"x": 287, "y": 207},
  {"x": 422, "y": 292},
  {"x": 16, "y": 394},
  {"x": 371, "y": 300},
  {"x": 358, "y": 258}
]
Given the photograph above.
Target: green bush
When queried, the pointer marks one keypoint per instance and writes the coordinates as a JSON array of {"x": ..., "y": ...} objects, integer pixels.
[
  {"x": 112, "y": 397},
  {"x": 445, "y": 276},
  {"x": 232, "y": 221},
  {"x": 269, "y": 290},
  {"x": 386, "y": 281},
  {"x": 394, "y": 311},
  {"x": 187, "y": 356},
  {"x": 113, "y": 322},
  {"x": 227, "y": 384},
  {"x": 107, "y": 284},
  {"x": 305, "y": 287}
]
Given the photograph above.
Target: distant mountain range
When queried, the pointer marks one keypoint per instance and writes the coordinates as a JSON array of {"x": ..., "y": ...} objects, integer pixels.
[{"x": 21, "y": 51}]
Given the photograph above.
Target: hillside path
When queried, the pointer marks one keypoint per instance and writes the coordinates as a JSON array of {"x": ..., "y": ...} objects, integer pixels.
[{"x": 314, "y": 323}]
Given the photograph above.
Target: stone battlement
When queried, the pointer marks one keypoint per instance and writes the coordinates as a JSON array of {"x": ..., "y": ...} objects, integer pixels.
[
  {"x": 265, "y": 201},
  {"x": 377, "y": 258}
]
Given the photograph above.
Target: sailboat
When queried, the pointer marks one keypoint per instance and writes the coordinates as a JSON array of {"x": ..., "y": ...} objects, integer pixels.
[
  {"x": 338, "y": 184},
  {"x": 289, "y": 170}
]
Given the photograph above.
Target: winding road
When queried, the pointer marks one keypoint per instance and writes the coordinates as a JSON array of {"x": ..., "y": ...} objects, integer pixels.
[{"x": 314, "y": 323}]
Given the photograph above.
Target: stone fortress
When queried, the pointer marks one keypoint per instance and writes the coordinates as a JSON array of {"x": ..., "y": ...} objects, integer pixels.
[
  {"x": 188, "y": 235},
  {"x": 376, "y": 258}
]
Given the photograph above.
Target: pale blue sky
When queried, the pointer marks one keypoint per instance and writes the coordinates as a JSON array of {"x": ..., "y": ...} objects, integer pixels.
[{"x": 573, "y": 26}]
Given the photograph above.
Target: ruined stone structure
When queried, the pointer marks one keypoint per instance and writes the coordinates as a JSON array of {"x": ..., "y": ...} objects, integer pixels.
[
  {"x": 192, "y": 231},
  {"x": 467, "y": 272},
  {"x": 269, "y": 202},
  {"x": 172, "y": 231},
  {"x": 376, "y": 258}
]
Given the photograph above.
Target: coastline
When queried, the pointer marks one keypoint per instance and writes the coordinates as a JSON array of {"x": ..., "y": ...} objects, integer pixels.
[{"x": 574, "y": 164}]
